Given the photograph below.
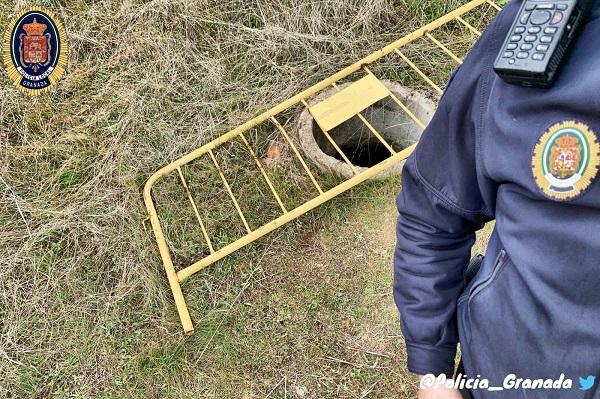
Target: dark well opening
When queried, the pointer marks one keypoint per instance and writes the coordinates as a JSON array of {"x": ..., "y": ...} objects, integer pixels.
[
  {"x": 360, "y": 145},
  {"x": 365, "y": 155}
]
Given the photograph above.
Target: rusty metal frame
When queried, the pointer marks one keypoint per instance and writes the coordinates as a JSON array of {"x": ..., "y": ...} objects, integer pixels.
[{"x": 176, "y": 277}]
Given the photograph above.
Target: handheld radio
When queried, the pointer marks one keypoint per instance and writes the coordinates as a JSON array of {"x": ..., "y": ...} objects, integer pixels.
[{"x": 539, "y": 40}]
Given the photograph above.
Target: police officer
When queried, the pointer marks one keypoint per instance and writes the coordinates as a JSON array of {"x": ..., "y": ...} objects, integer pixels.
[{"x": 528, "y": 158}]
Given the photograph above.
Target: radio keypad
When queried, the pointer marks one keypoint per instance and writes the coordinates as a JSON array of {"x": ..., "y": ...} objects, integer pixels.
[{"x": 536, "y": 23}]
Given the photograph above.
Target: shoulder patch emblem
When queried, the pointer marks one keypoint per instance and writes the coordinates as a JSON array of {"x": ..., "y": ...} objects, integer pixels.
[
  {"x": 566, "y": 160},
  {"x": 35, "y": 50}
]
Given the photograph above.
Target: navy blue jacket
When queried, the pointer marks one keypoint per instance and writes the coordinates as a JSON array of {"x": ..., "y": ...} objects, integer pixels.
[{"x": 527, "y": 158}]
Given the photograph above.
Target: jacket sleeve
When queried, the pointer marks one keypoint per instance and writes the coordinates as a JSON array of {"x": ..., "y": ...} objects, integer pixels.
[{"x": 443, "y": 201}]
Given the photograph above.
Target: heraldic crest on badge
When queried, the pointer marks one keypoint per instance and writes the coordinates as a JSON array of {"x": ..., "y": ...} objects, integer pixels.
[
  {"x": 35, "y": 50},
  {"x": 565, "y": 160}
]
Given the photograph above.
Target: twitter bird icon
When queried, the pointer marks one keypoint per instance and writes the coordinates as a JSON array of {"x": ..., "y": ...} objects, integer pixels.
[{"x": 587, "y": 383}]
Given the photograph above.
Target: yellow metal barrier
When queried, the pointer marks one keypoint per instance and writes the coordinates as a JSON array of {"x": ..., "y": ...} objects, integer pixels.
[{"x": 328, "y": 114}]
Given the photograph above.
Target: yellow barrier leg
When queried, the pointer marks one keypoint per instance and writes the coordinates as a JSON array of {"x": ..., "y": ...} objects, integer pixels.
[{"x": 182, "y": 309}]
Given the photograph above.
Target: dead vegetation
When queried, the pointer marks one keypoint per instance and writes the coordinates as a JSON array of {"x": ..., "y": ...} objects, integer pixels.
[{"x": 85, "y": 310}]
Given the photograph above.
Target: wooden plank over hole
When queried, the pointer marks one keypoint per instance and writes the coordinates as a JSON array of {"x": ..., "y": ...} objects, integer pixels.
[{"x": 348, "y": 102}]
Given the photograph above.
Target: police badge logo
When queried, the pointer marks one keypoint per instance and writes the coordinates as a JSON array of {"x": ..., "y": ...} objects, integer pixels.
[
  {"x": 35, "y": 50},
  {"x": 566, "y": 160}
]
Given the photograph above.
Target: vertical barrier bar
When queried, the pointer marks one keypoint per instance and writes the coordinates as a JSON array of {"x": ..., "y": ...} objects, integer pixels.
[
  {"x": 400, "y": 104},
  {"x": 420, "y": 72},
  {"x": 334, "y": 144},
  {"x": 496, "y": 6},
  {"x": 376, "y": 133},
  {"x": 469, "y": 26},
  {"x": 264, "y": 173},
  {"x": 291, "y": 143},
  {"x": 444, "y": 48},
  {"x": 235, "y": 203},
  {"x": 193, "y": 203}
]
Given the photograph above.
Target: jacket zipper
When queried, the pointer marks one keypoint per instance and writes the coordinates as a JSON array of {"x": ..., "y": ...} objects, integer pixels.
[{"x": 497, "y": 267}]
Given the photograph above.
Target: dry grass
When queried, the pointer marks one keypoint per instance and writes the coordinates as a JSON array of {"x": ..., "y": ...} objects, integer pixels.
[{"x": 85, "y": 310}]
